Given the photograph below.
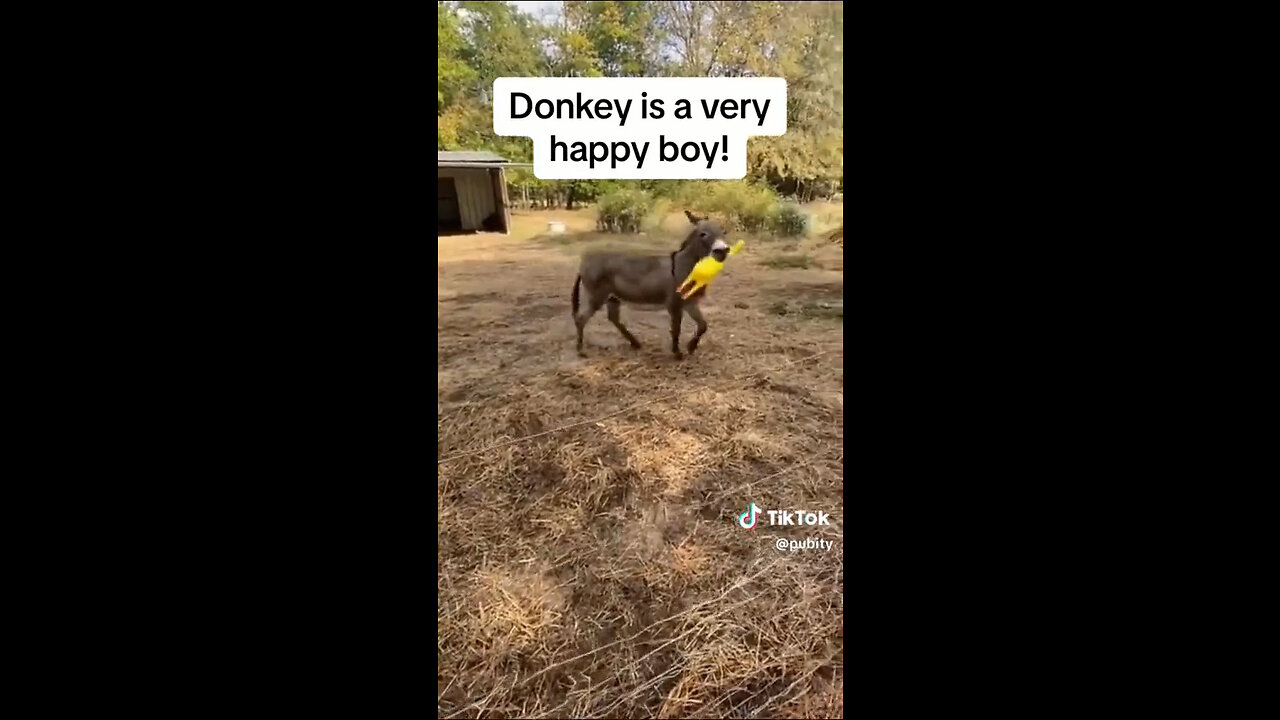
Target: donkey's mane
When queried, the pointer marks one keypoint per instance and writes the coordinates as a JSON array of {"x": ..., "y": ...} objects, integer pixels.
[{"x": 679, "y": 250}]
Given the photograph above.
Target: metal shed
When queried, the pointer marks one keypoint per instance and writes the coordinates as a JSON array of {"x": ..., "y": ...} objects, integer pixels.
[{"x": 471, "y": 192}]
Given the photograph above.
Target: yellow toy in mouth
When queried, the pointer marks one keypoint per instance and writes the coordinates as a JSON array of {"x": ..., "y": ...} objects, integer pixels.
[{"x": 706, "y": 269}]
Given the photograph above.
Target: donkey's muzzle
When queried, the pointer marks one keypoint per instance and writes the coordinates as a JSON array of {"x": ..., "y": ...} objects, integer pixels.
[{"x": 720, "y": 254}]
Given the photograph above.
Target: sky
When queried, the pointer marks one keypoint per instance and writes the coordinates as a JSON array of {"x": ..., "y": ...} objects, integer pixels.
[{"x": 537, "y": 8}]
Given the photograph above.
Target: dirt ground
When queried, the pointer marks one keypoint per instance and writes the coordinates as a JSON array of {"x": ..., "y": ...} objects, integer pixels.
[{"x": 589, "y": 560}]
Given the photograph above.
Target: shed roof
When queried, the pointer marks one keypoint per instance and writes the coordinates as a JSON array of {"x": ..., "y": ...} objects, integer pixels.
[{"x": 467, "y": 156}]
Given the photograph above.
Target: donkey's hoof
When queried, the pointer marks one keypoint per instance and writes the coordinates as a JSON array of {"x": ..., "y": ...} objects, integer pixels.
[
  {"x": 678, "y": 355},
  {"x": 581, "y": 354},
  {"x": 635, "y": 346}
]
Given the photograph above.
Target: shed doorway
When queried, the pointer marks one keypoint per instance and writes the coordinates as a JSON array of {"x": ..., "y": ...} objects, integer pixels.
[{"x": 448, "y": 217}]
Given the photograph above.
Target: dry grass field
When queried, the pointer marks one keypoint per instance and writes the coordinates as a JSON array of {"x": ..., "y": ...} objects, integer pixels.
[{"x": 589, "y": 560}]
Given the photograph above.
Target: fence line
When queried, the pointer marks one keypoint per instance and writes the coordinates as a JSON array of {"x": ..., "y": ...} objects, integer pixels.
[{"x": 680, "y": 393}]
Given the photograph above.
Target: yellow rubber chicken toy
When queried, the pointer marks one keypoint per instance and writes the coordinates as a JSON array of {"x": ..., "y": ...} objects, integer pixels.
[{"x": 706, "y": 269}]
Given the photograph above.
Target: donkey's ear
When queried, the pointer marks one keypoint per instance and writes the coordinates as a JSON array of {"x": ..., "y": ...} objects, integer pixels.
[{"x": 692, "y": 218}]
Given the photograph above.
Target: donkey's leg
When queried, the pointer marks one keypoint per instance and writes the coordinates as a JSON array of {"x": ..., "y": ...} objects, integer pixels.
[
  {"x": 676, "y": 315},
  {"x": 615, "y": 308},
  {"x": 590, "y": 308},
  {"x": 696, "y": 314}
]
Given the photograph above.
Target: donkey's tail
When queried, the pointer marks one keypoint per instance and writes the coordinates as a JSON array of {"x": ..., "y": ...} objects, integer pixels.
[{"x": 576, "y": 283}]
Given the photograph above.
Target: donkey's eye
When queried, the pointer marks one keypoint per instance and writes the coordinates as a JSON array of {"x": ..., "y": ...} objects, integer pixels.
[{"x": 702, "y": 234}]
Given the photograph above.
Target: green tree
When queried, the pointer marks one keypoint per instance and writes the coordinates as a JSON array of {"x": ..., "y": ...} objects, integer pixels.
[
  {"x": 624, "y": 35},
  {"x": 478, "y": 43},
  {"x": 811, "y": 57},
  {"x": 454, "y": 78},
  {"x": 574, "y": 55},
  {"x": 799, "y": 41},
  {"x": 503, "y": 42}
]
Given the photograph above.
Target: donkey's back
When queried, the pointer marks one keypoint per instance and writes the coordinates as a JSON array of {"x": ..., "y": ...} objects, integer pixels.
[{"x": 638, "y": 279}]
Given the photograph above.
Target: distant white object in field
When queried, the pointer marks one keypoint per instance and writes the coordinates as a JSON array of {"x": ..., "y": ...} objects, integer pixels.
[{"x": 555, "y": 228}]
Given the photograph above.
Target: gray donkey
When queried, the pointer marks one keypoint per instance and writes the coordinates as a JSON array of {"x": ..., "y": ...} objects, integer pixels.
[{"x": 648, "y": 280}]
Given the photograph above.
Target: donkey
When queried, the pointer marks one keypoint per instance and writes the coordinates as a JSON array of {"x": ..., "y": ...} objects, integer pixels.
[{"x": 648, "y": 281}]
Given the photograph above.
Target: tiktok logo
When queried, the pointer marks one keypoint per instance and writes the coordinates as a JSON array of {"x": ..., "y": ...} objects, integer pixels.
[{"x": 783, "y": 517}]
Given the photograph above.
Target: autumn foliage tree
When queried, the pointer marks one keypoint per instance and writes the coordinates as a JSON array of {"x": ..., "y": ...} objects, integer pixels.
[{"x": 799, "y": 41}]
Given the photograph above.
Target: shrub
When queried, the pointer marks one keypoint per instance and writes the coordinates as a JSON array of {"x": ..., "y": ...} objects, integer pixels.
[
  {"x": 790, "y": 221},
  {"x": 623, "y": 211},
  {"x": 664, "y": 188},
  {"x": 748, "y": 206},
  {"x": 758, "y": 213},
  {"x": 692, "y": 193},
  {"x": 740, "y": 205}
]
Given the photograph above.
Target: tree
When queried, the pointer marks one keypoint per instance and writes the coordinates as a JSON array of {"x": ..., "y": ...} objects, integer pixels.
[
  {"x": 799, "y": 41},
  {"x": 502, "y": 42},
  {"x": 478, "y": 43},
  {"x": 574, "y": 55},
  {"x": 454, "y": 78},
  {"x": 690, "y": 44},
  {"x": 624, "y": 35}
]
